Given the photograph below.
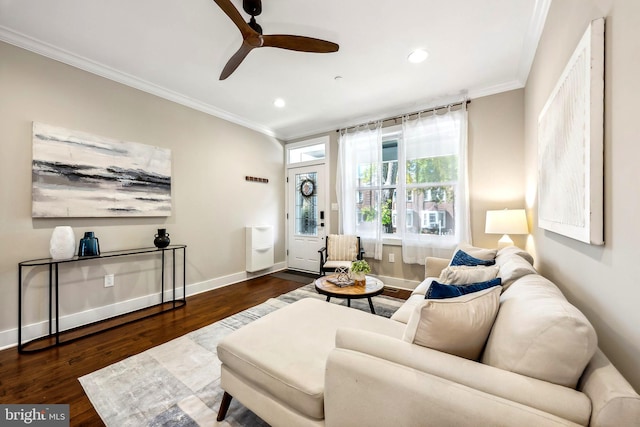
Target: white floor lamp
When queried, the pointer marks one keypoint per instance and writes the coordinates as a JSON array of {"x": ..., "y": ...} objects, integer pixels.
[{"x": 505, "y": 222}]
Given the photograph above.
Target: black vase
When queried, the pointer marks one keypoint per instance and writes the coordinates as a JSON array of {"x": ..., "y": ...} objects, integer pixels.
[{"x": 162, "y": 238}]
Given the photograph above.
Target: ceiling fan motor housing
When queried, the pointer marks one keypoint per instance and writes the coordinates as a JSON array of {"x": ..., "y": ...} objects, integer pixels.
[{"x": 252, "y": 7}]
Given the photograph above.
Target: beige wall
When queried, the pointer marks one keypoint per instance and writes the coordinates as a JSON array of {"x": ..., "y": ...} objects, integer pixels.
[
  {"x": 496, "y": 157},
  {"x": 212, "y": 202},
  {"x": 496, "y": 175},
  {"x": 603, "y": 281}
]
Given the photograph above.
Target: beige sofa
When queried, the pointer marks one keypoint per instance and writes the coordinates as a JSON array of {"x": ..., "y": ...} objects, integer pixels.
[{"x": 314, "y": 363}]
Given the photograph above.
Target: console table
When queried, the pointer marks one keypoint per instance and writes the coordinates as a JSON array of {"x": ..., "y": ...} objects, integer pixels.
[{"x": 57, "y": 337}]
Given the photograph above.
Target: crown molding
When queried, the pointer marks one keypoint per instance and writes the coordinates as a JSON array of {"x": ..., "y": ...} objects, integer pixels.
[
  {"x": 532, "y": 38},
  {"x": 495, "y": 89},
  {"x": 45, "y": 49},
  {"x": 470, "y": 94}
]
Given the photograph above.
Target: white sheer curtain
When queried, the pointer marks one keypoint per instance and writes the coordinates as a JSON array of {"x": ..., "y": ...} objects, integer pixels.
[
  {"x": 436, "y": 135},
  {"x": 360, "y": 147}
]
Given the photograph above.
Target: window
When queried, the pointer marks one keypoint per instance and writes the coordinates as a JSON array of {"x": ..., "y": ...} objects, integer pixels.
[
  {"x": 433, "y": 180},
  {"x": 433, "y": 220},
  {"x": 406, "y": 183},
  {"x": 376, "y": 188},
  {"x": 429, "y": 186},
  {"x": 306, "y": 153}
]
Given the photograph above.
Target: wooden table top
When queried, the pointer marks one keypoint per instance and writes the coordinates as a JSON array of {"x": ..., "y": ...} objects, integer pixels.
[{"x": 373, "y": 287}]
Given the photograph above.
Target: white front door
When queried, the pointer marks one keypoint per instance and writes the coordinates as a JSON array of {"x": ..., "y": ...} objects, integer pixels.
[{"x": 305, "y": 217}]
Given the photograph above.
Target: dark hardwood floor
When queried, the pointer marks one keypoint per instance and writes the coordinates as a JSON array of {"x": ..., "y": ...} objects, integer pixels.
[{"x": 51, "y": 376}]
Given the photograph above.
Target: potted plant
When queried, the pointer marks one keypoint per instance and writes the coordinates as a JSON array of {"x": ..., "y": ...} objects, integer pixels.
[{"x": 358, "y": 271}]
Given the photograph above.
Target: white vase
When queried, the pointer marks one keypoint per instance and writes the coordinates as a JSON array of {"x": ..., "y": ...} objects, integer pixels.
[{"x": 63, "y": 243}]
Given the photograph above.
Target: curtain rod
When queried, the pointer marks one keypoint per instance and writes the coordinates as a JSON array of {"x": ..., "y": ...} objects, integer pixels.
[{"x": 455, "y": 104}]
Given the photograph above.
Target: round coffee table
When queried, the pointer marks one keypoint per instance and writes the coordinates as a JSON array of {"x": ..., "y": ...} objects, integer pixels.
[{"x": 372, "y": 288}]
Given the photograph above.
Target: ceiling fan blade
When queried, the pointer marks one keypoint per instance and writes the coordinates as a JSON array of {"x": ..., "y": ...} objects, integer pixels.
[
  {"x": 299, "y": 43},
  {"x": 236, "y": 60},
  {"x": 230, "y": 10}
]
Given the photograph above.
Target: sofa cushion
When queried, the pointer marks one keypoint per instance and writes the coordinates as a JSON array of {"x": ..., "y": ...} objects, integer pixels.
[
  {"x": 438, "y": 290},
  {"x": 458, "y": 326},
  {"x": 460, "y": 274},
  {"x": 507, "y": 252},
  {"x": 538, "y": 333},
  {"x": 337, "y": 264},
  {"x": 286, "y": 359}
]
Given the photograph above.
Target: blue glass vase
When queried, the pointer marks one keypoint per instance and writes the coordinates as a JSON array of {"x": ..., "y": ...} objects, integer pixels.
[{"x": 89, "y": 245}]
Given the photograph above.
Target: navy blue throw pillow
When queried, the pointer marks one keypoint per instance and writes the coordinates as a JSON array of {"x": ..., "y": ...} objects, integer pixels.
[
  {"x": 463, "y": 258},
  {"x": 439, "y": 291}
]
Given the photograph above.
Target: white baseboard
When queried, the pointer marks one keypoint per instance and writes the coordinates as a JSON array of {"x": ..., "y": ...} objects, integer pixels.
[
  {"x": 395, "y": 282},
  {"x": 9, "y": 337}
]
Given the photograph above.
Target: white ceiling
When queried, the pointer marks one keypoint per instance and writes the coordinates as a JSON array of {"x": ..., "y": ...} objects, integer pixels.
[{"x": 177, "y": 49}]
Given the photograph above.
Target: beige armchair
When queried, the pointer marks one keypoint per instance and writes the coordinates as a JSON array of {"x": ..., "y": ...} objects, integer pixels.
[{"x": 340, "y": 250}]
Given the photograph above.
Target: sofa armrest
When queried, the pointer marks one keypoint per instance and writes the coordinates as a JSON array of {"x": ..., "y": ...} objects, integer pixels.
[
  {"x": 615, "y": 402},
  {"x": 550, "y": 398},
  {"x": 433, "y": 266},
  {"x": 363, "y": 390}
]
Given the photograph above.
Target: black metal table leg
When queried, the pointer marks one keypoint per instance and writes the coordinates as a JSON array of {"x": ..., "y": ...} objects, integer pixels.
[
  {"x": 57, "y": 305},
  {"x": 173, "y": 279},
  {"x": 162, "y": 280},
  {"x": 371, "y": 306}
]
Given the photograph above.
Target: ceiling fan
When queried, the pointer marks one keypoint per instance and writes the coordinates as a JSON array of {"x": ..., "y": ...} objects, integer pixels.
[{"x": 252, "y": 36}]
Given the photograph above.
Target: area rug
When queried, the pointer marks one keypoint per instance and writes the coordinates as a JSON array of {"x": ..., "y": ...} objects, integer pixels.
[{"x": 177, "y": 384}]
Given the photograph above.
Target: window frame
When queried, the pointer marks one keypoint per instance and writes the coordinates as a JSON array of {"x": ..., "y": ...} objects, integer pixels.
[{"x": 401, "y": 190}]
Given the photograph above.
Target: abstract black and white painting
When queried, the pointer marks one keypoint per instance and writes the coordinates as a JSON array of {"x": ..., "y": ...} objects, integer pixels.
[{"x": 76, "y": 174}]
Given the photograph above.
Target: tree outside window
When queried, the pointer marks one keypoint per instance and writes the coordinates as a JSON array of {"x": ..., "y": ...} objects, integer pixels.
[{"x": 429, "y": 187}]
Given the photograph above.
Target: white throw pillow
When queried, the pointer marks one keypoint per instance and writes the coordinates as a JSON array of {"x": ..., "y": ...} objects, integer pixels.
[
  {"x": 464, "y": 274},
  {"x": 458, "y": 326}
]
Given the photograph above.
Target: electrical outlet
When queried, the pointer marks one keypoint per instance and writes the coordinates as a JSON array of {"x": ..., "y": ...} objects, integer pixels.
[
  {"x": 392, "y": 257},
  {"x": 109, "y": 280}
]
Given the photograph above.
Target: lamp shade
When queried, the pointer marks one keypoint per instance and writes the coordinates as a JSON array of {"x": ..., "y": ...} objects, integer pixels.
[{"x": 507, "y": 221}]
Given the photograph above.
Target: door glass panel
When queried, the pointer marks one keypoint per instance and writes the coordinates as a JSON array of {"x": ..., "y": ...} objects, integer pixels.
[{"x": 306, "y": 214}]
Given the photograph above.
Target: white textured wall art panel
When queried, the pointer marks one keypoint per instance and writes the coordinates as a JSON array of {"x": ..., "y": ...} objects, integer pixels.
[{"x": 570, "y": 145}]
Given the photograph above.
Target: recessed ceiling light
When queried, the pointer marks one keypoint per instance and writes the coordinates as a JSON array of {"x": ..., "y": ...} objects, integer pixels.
[
  {"x": 279, "y": 102},
  {"x": 418, "y": 56}
]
